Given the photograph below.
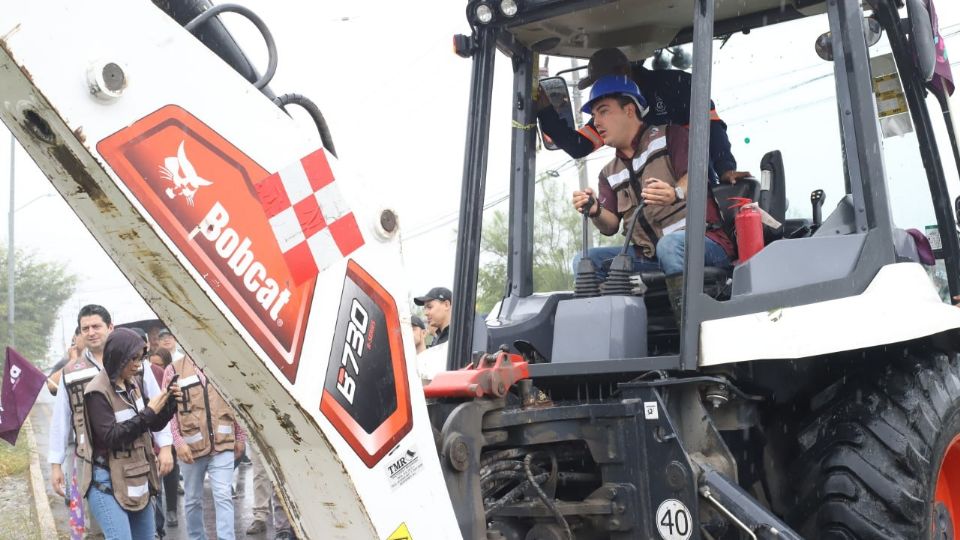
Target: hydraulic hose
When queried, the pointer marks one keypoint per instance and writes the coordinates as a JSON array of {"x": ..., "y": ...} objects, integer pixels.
[{"x": 308, "y": 105}]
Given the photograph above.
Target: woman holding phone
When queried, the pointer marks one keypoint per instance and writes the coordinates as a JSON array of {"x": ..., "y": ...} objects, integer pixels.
[{"x": 122, "y": 477}]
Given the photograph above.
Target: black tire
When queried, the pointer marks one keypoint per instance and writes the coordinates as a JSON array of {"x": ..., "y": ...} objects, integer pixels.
[{"x": 870, "y": 459}]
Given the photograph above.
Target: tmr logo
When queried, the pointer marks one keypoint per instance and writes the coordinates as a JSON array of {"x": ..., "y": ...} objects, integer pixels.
[
  {"x": 202, "y": 191},
  {"x": 401, "y": 469},
  {"x": 366, "y": 394}
]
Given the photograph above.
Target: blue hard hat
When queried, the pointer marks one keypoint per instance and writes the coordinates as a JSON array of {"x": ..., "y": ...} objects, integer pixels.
[{"x": 609, "y": 85}]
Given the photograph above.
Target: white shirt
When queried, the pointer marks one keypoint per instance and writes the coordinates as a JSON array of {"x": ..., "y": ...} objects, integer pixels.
[{"x": 61, "y": 425}]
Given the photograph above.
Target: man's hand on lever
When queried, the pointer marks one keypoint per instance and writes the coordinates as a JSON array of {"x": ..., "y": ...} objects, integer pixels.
[{"x": 582, "y": 198}]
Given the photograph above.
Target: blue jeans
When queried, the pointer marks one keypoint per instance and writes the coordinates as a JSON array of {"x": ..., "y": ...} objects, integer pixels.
[
  {"x": 219, "y": 469},
  {"x": 672, "y": 247},
  {"x": 601, "y": 255},
  {"x": 670, "y": 253},
  {"x": 117, "y": 523}
]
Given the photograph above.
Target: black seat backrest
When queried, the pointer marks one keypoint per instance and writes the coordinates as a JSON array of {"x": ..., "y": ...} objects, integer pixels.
[
  {"x": 747, "y": 188},
  {"x": 774, "y": 199}
]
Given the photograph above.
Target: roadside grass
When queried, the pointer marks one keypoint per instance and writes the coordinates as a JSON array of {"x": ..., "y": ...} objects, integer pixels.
[{"x": 14, "y": 459}]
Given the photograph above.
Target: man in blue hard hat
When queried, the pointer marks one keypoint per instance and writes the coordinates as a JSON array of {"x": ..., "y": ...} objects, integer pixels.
[
  {"x": 650, "y": 166},
  {"x": 669, "y": 99}
]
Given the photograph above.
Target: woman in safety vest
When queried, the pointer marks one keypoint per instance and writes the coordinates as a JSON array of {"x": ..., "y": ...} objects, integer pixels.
[{"x": 123, "y": 476}]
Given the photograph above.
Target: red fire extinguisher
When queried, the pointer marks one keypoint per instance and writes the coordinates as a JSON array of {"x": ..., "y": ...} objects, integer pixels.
[{"x": 749, "y": 228}]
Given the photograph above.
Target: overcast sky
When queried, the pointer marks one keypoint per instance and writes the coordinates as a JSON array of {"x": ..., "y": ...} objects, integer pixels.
[{"x": 395, "y": 97}]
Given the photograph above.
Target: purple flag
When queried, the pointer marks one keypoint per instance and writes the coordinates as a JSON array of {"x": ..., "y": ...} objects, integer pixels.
[
  {"x": 942, "y": 81},
  {"x": 22, "y": 381},
  {"x": 75, "y": 501}
]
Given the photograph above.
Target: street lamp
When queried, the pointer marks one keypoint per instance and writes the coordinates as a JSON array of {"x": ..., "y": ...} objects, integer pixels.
[{"x": 11, "y": 253}]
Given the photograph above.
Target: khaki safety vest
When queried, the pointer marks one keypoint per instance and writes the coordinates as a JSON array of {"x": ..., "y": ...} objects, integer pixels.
[
  {"x": 650, "y": 161},
  {"x": 77, "y": 374},
  {"x": 133, "y": 470},
  {"x": 208, "y": 426}
]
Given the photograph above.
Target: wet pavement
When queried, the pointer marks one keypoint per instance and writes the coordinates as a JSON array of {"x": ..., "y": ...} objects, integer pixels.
[{"x": 243, "y": 481}]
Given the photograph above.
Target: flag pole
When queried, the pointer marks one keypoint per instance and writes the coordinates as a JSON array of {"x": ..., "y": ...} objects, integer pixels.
[{"x": 11, "y": 274}]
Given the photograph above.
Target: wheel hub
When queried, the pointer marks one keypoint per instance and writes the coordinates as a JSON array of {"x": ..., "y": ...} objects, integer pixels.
[{"x": 947, "y": 495}]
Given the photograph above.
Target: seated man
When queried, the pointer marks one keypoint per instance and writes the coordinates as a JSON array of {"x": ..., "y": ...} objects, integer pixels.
[
  {"x": 669, "y": 92},
  {"x": 650, "y": 165}
]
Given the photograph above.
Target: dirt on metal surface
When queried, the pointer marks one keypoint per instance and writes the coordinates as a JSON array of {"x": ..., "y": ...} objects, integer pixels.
[{"x": 74, "y": 168}]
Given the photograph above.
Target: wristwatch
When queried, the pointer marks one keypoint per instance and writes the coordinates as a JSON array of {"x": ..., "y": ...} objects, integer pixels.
[{"x": 679, "y": 191}]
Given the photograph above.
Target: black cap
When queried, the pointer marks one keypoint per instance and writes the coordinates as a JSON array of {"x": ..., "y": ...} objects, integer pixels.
[
  {"x": 604, "y": 62},
  {"x": 164, "y": 332},
  {"x": 415, "y": 320},
  {"x": 436, "y": 293}
]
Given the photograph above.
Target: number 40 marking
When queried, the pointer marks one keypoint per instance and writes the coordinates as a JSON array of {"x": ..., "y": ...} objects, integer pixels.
[{"x": 673, "y": 520}]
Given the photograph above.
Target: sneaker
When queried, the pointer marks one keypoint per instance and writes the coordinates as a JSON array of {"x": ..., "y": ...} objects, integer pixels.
[
  {"x": 172, "y": 519},
  {"x": 258, "y": 526}
]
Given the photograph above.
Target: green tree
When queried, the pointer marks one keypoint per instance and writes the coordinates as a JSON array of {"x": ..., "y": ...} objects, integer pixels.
[
  {"x": 40, "y": 290},
  {"x": 556, "y": 239}
]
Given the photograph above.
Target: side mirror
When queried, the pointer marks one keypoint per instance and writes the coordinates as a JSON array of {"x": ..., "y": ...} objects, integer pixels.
[
  {"x": 921, "y": 38},
  {"x": 871, "y": 33},
  {"x": 559, "y": 96}
]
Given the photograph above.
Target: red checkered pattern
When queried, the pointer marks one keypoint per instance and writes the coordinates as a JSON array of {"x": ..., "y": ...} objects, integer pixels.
[{"x": 309, "y": 217}]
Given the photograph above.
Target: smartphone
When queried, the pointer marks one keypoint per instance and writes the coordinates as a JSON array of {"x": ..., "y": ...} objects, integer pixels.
[{"x": 173, "y": 380}]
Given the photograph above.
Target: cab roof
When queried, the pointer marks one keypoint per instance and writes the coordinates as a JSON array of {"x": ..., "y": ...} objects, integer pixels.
[{"x": 639, "y": 27}]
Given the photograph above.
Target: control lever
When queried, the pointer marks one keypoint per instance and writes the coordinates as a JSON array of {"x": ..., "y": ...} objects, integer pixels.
[
  {"x": 585, "y": 210},
  {"x": 816, "y": 200},
  {"x": 618, "y": 279},
  {"x": 585, "y": 283}
]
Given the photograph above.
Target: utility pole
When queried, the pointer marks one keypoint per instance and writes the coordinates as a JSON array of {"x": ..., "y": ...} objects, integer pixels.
[
  {"x": 581, "y": 164},
  {"x": 11, "y": 259}
]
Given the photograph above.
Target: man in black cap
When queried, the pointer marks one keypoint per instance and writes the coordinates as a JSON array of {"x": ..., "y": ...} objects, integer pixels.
[
  {"x": 419, "y": 333},
  {"x": 668, "y": 95},
  {"x": 436, "y": 307}
]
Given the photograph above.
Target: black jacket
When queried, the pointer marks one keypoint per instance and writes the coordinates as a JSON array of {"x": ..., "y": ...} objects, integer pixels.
[{"x": 668, "y": 96}]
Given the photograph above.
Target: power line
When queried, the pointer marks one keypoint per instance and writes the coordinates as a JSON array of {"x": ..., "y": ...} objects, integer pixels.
[{"x": 451, "y": 217}]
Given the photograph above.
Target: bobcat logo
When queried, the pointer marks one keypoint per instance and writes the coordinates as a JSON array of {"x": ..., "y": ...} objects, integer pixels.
[{"x": 180, "y": 171}]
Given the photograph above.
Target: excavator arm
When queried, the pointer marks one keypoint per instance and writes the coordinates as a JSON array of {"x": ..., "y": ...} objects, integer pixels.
[{"x": 272, "y": 265}]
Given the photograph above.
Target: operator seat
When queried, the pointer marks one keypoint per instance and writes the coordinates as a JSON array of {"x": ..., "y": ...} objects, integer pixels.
[
  {"x": 716, "y": 281},
  {"x": 773, "y": 186}
]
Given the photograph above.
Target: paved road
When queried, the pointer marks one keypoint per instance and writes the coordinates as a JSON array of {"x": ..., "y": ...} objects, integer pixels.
[{"x": 243, "y": 480}]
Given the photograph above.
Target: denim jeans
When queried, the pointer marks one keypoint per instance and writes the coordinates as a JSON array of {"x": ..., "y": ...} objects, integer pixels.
[
  {"x": 219, "y": 469},
  {"x": 601, "y": 255},
  {"x": 671, "y": 249},
  {"x": 117, "y": 523},
  {"x": 670, "y": 253}
]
